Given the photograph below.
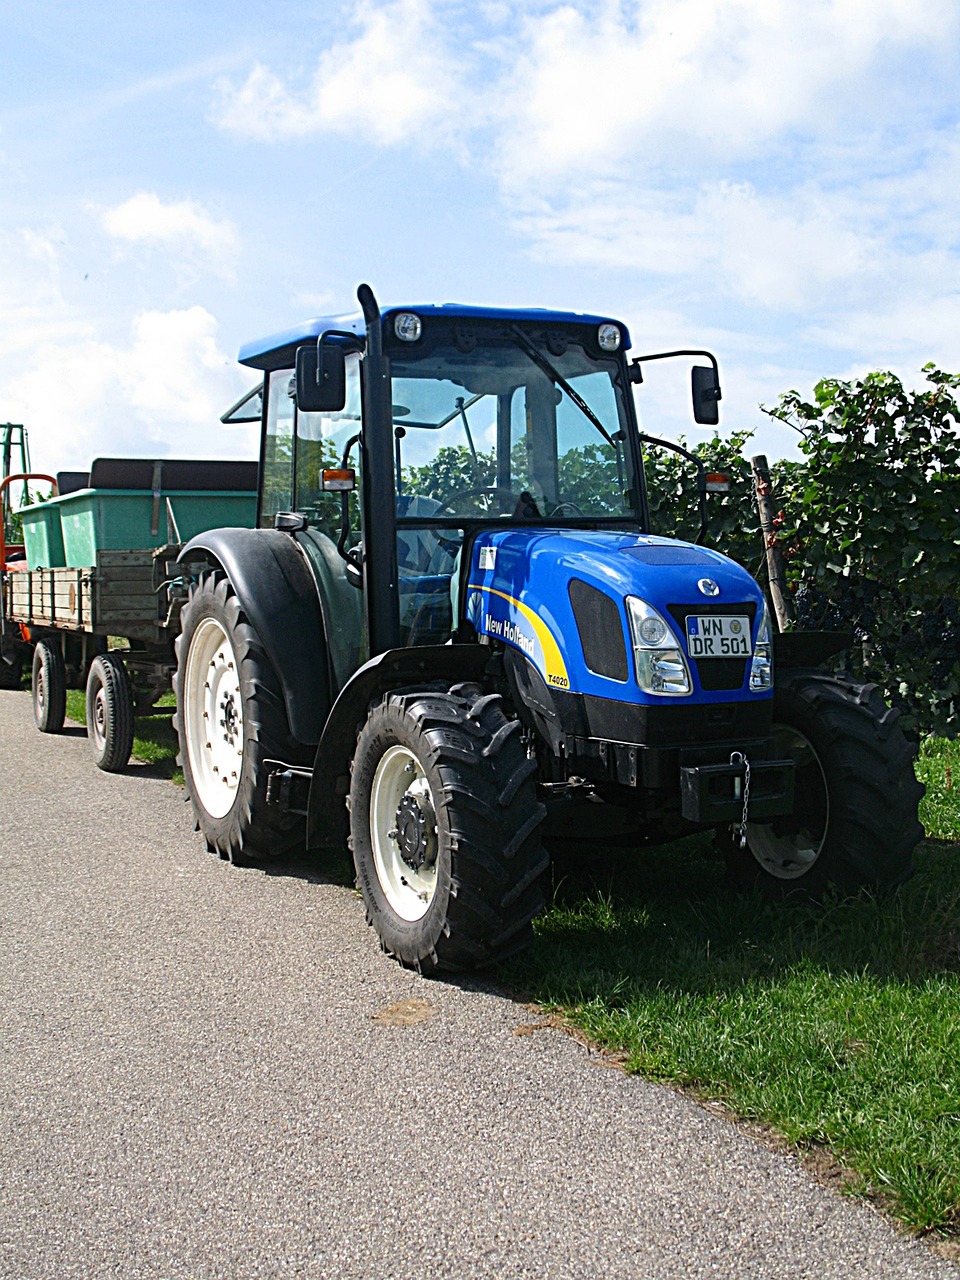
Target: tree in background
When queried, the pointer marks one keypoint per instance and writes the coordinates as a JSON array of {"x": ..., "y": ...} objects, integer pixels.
[{"x": 876, "y": 536}]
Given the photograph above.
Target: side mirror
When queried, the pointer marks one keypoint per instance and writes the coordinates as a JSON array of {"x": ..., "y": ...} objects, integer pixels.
[
  {"x": 706, "y": 395},
  {"x": 321, "y": 378}
]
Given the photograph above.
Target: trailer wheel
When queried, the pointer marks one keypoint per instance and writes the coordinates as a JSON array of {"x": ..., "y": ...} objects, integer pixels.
[
  {"x": 445, "y": 829},
  {"x": 855, "y": 818},
  {"x": 230, "y": 719},
  {"x": 109, "y": 713},
  {"x": 49, "y": 687}
]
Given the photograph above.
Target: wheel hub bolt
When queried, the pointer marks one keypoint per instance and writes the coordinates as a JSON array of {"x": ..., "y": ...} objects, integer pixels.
[{"x": 411, "y": 833}]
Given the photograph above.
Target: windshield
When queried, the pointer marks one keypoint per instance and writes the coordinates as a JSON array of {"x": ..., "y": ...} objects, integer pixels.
[{"x": 493, "y": 432}]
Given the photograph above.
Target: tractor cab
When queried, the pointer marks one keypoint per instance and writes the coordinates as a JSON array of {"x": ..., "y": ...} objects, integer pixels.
[{"x": 490, "y": 419}]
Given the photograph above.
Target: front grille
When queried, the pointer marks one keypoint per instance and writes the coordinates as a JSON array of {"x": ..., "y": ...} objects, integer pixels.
[{"x": 717, "y": 674}]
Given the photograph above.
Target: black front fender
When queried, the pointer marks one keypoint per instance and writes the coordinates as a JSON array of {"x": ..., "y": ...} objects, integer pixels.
[
  {"x": 276, "y": 588},
  {"x": 395, "y": 669}
]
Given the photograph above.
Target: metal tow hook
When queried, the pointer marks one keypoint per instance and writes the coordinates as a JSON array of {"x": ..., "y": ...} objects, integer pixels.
[{"x": 740, "y": 828}]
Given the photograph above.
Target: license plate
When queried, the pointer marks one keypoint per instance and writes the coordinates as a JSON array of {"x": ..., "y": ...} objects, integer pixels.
[{"x": 714, "y": 635}]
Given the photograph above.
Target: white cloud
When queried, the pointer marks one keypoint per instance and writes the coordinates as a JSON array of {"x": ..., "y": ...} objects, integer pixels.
[
  {"x": 33, "y": 312},
  {"x": 785, "y": 251},
  {"x": 390, "y": 82},
  {"x": 173, "y": 371},
  {"x": 158, "y": 392},
  {"x": 606, "y": 223},
  {"x": 578, "y": 86},
  {"x": 923, "y": 325},
  {"x": 772, "y": 251},
  {"x": 184, "y": 228},
  {"x": 761, "y": 147},
  {"x": 90, "y": 373},
  {"x": 697, "y": 81},
  {"x": 797, "y": 167}
]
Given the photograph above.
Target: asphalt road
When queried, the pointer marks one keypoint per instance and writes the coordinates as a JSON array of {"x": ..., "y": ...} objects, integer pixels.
[{"x": 194, "y": 1083}]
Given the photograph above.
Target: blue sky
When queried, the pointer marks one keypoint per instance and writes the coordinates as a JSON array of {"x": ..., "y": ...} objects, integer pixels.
[{"x": 774, "y": 179}]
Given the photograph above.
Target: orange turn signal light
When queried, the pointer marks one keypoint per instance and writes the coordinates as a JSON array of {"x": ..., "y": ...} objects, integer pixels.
[{"x": 338, "y": 479}]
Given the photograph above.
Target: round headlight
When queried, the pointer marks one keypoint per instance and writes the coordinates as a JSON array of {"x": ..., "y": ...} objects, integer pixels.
[
  {"x": 608, "y": 337},
  {"x": 652, "y": 631},
  {"x": 407, "y": 326}
]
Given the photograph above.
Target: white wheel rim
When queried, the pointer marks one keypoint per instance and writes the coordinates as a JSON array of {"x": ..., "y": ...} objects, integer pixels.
[
  {"x": 213, "y": 718},
  {"x": 788, "y": 855},
  {"x": 403, "y": 817},
  {"x": 98, "y": 719}
]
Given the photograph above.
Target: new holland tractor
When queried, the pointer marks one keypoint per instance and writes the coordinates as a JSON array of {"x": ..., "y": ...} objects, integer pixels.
[{"x": 454, "y": 620}]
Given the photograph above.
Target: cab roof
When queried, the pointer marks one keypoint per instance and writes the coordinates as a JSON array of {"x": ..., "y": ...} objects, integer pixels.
[{"x": 278, "y": 350}]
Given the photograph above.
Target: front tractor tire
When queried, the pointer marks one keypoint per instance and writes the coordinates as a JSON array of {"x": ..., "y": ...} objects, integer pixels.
[
  {"x": 445, "y": 829},
  {"x": 855, "y": 819},
  {"x": 230, "y": 719}
]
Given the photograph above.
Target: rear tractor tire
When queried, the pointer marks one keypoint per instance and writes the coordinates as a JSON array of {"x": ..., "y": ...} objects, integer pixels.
[
  {"x": 109, "y": 713},
  {"x": 49, "y": 687},
  {"x": 445, "y": 829},
  {"x": 230, "y": 718},
  {"x": 855, "y": 816}
]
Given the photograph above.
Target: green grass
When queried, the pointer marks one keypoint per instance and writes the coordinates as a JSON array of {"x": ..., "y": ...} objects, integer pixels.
[
  {"x": 837, "y": 1025},
  {"x": 154, "y": 741},
  {"x": 939, "y": 770}
]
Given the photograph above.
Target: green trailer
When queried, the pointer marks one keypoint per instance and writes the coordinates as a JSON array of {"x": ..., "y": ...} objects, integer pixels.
[
  {"x": 132, "y": 503},
  {"x": 99, "y": 563}
]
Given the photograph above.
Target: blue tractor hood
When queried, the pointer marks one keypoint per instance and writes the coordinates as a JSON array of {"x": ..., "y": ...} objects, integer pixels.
[{"x": 558, "y": 596}]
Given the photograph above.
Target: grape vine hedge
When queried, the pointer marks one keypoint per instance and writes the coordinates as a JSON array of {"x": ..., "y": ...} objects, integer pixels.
[{"x": 869, "y": 526}]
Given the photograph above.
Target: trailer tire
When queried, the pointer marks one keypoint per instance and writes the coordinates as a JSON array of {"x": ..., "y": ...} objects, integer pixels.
[
  {"x": 49, "y": 687},
  {"x": 225, "y": 680},
  {"x": 109, "y": 704},
  {"x": 856, "y": 819},
  {"x": 445, "y": 829}
]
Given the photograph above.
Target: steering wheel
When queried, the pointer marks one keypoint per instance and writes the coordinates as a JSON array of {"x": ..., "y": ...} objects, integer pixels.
[
  {"x": 484, "y": 491},
  {"x": 567, "y": 506}
]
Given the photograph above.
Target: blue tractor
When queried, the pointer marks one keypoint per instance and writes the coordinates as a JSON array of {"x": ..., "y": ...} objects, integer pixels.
[{"x": 453, "y": 632}]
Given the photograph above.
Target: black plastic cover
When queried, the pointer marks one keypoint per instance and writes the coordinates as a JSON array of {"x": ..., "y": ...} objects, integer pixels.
[
  {"x": 175, "y": 473},
  {"x": 71, "y": 481}
]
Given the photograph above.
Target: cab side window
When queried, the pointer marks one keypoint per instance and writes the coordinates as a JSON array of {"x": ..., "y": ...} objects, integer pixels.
[
  {"x": 297, "y": 446},
  {"x": 277, "y": 460},
  {"x": 321, "y": 439}
]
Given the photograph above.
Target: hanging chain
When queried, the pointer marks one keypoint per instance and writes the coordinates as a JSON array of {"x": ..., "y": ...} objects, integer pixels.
[{"x": 740, "y": 828}]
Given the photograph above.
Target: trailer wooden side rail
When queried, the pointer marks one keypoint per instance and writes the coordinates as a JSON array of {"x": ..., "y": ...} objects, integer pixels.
[
  {"x": 66, "y": 617},
  {"x": 123, "y": 594}
]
